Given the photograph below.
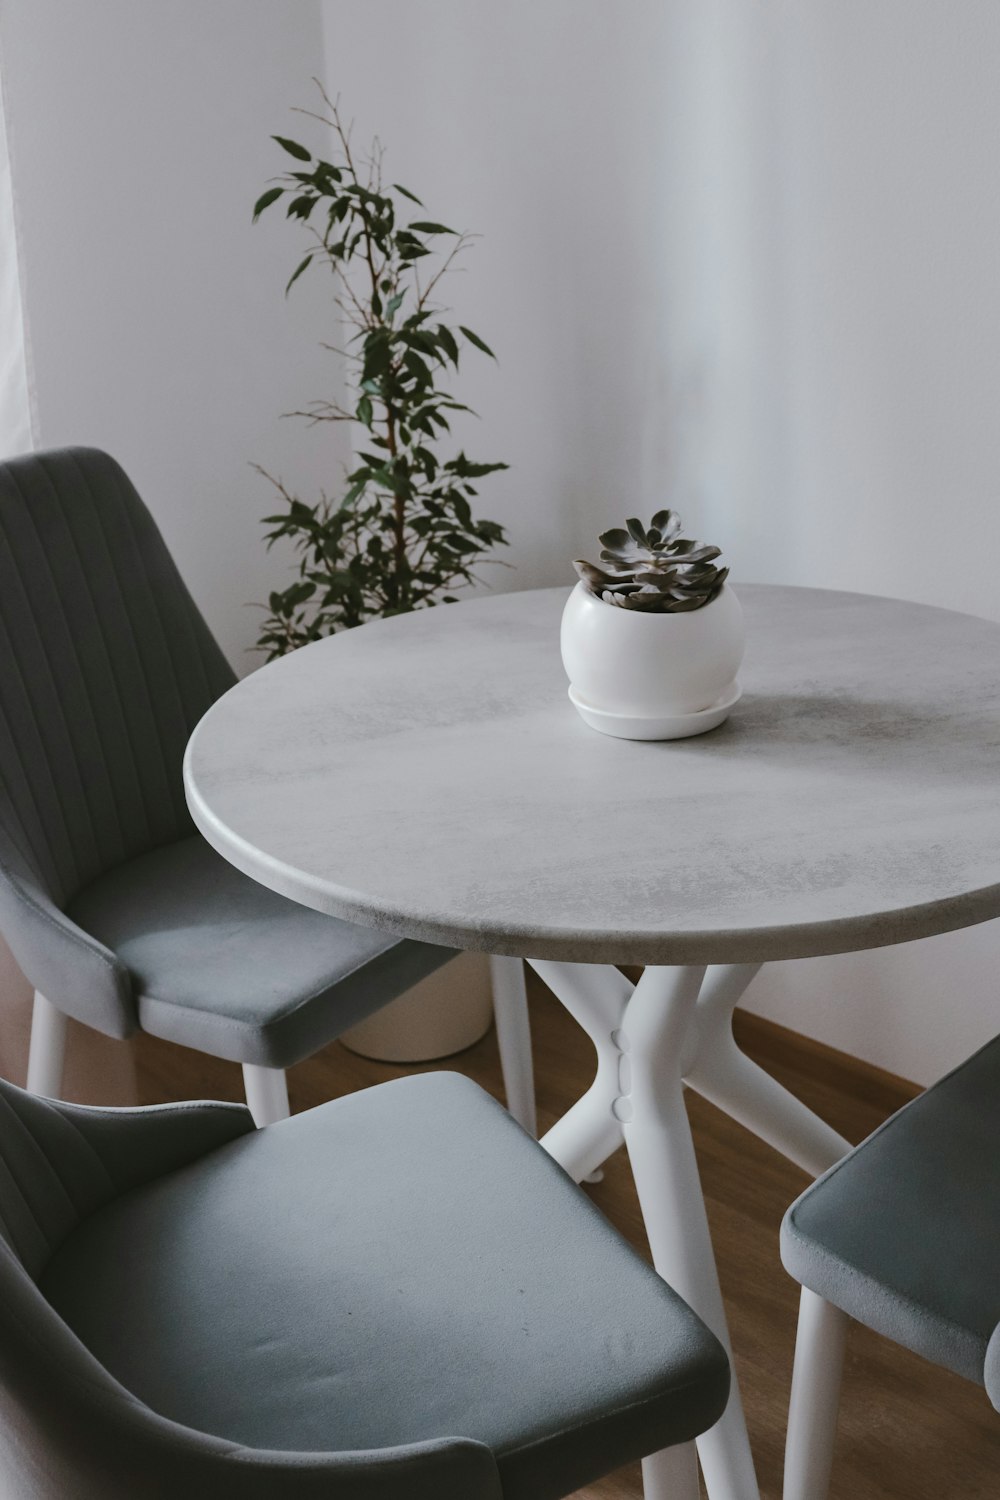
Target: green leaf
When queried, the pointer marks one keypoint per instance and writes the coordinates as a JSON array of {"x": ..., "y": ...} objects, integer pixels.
[
  {"x": 355, "y": 490},
  {"x": 462, "y": 511},
  {"x": 475, "y": 339},
  {"x": 427, "y": 226},
  {"x": 297, "y": 273},
  {"x": 293, "y": 148},
  {"x": 302, "y": 207},
  {"x": 364, "y": 411},
  {"x": 446, "y": 339},
  {"x": 420, "y": 339},
  {"x": 376, "y": 360},
  {"x": 407, "y": 194},
  {"x": 394, "y": 304},
  {"x": 416, "y": 367},
  {"x": 265, "y": 200},
  {"x": 466, "y": 469}
]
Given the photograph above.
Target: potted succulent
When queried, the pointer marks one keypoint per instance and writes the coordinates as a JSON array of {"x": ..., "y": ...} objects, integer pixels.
[{"x": 652, "y": 635}]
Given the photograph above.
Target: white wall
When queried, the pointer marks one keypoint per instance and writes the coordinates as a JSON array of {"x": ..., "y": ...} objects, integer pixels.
[
  {"x": 846, "y": 418},
  {"x": 536, "y": 126},
  {"x": 157, "y": 323}
]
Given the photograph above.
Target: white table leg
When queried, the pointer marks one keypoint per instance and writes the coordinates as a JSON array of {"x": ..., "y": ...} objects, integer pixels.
[
  {"x": 676, "y": 1024},
  {"x": 724, "y": 1075},
  {"x": 656, "y": 1026},
  {"x": 596, "y": 996}
]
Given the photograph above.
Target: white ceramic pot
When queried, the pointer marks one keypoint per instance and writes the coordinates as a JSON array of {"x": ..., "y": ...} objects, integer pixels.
[
  {"x": 441, "y": 1015},
  {"x": 628, "y": 664}
]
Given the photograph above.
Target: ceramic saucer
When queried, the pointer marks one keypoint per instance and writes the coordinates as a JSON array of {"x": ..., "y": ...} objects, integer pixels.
[{"x": 662, "y": 726}]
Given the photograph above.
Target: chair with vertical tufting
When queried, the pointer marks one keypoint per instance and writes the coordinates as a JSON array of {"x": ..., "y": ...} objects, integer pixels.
[
  {"x": 118, "y": 911},
  {"x": 396, "y": 1296}
]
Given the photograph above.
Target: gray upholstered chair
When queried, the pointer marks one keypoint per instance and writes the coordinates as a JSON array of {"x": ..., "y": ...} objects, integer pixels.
[
  {"x": 396, "y": 1296},
  {"x": 902, "y": 1235},
  {"x": 119, "y": 913}
]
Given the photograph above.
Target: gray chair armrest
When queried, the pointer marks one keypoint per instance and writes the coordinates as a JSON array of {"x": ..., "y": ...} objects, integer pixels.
[
  {"x": 137, "y": 1145},
  {"x": 79, "y": 975}
]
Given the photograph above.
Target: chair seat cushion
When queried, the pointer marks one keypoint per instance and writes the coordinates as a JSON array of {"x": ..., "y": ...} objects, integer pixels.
[
  {"x": 222, "y": 964},
  {"x": 904, "y": 1233},
  {"x": 404, "y": 1263}
]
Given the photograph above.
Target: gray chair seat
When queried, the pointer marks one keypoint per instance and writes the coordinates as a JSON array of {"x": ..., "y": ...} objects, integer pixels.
[
  {"x": 904, "y": 1233},
  {"x": 342, "y": 1281},
  {"x": 219, "y": 963}
]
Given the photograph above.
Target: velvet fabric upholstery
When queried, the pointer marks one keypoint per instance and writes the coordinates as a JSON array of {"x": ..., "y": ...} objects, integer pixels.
[
  {"x": 109, "y": 899},
  {"x": 221, "y": 963},
  {"x": 105, "y": 668},
  {"x": 397, "y": 1296},
  {"x": 903, "y": 1233}
]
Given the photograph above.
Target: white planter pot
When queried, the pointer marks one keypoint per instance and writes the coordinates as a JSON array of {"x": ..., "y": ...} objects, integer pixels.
[
  {"x": 445, "y": 1013},
  {"x": 633, "y": 674}
]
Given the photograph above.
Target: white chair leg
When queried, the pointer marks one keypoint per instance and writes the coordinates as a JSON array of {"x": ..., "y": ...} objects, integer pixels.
[
  {"x": 812, "y": 1411},
  {"x": 510, "y": 1009},
  {"x": 267, "y": 1094},
  {"x": 47, "y": 1049}
]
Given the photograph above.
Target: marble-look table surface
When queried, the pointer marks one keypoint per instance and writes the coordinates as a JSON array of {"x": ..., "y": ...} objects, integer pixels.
[{"x": 429, "y": 776}]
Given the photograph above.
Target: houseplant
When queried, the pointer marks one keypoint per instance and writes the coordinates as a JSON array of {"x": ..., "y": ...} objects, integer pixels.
[
  {"x": 652, "y": 635},
  {"x": 401, "y": 534}
]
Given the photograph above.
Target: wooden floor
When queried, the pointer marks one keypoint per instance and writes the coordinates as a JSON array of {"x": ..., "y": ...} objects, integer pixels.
[{"x": 907, "y": 1432}]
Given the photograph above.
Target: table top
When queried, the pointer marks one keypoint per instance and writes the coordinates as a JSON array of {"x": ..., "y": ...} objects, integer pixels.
[{"x": 428, "y": 775}]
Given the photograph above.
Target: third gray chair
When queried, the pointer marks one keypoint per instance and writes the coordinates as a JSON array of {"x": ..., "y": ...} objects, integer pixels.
[
  {"x": 902, "y": 1235},
  {"x": 118, "y": 911}
]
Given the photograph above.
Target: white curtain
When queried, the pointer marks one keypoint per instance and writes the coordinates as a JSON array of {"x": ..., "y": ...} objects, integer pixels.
[
  {"x": 15, "y": 437},
  {"x": 98, "y": 1069},
  {"x": 15, "y": 405}
]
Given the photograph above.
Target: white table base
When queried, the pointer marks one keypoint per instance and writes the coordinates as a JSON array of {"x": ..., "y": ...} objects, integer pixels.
[{"x": 673, "y": 1028}]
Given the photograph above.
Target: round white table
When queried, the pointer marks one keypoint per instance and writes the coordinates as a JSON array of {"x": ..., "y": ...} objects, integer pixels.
[{"x": 429, "y": 776}]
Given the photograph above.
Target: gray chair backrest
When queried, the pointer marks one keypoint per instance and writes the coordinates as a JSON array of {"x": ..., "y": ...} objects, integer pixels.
[
  {"x": 67, "y": 1427},
  {"x": 106, "y": 666}
]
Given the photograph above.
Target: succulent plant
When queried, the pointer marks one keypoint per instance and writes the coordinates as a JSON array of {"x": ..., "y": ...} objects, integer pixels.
[{"x": 653, "y": 568}]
